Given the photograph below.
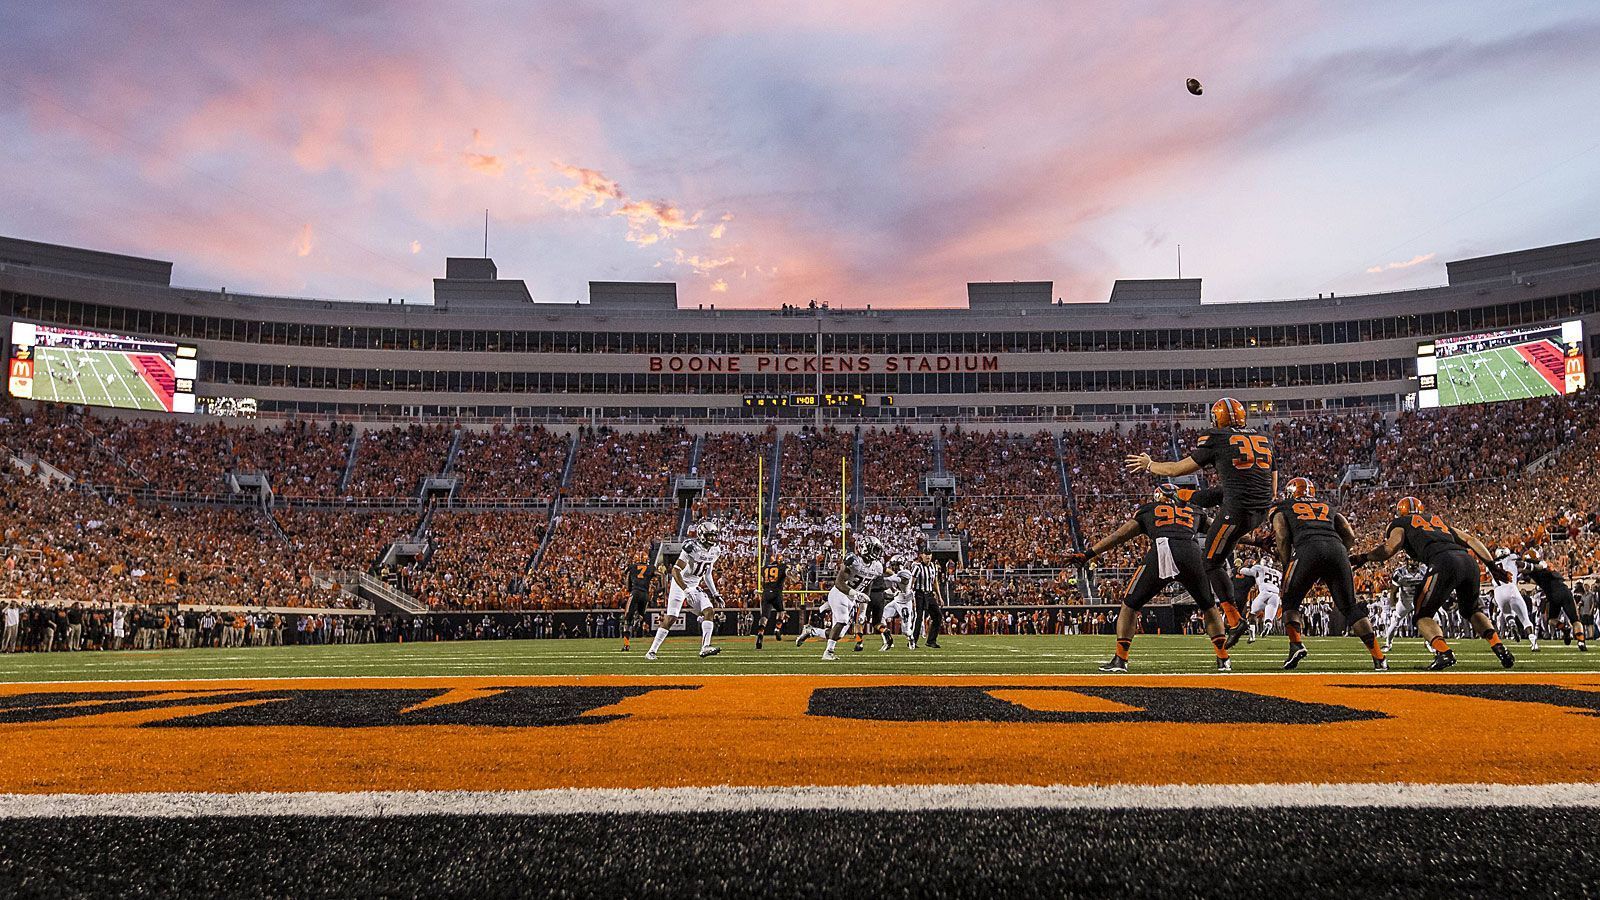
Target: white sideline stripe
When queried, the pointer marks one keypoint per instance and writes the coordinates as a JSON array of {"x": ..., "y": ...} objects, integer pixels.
[
  {"x": 647, "y": 675},
  {"x": 860, "y": 798}
]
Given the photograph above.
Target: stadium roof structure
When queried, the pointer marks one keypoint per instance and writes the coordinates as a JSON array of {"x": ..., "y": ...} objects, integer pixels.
[{"x": 473, "y": 289}]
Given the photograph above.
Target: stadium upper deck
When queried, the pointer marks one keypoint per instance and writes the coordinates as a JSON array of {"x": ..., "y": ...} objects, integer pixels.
[{"x": 483, "y": 348}]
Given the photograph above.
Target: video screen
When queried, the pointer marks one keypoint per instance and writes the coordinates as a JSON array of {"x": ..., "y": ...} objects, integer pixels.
[
  {"x": 1515, "y": 364},
  {"x": 71, "y": 365}
]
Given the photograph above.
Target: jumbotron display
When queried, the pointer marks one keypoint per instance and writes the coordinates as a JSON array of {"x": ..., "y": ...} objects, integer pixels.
[
  {"x": 1515, "y": 364},
  {"x": 67, "y": 365}
]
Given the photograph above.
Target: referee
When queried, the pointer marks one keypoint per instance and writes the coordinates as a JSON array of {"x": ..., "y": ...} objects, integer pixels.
[{"x": 927, "y": 584}]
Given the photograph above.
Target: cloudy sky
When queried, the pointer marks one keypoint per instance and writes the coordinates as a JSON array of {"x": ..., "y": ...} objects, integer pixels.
[{"x": 857, "y": 151}]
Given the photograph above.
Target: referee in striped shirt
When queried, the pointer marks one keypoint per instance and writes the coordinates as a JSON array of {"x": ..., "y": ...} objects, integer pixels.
[{"x": 926, "y": 583}]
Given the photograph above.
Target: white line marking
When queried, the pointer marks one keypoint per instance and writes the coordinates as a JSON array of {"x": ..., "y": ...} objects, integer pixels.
[
  {"x": 860, "y": 798},
  {"x": 1399, "y": 677}
]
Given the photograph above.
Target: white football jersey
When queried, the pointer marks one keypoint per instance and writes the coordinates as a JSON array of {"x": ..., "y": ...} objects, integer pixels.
[
  {"x": 1268, "y": 578},
  {"x": 1512, "y": 563},
  {"x": 697, "y": 560},
  {"x": 859, "y": 574}
]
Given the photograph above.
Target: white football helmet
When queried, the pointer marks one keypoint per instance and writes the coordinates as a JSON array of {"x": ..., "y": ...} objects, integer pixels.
[
  {"x": 707, "y": 532},
  {"x": 872, "y": 548}
]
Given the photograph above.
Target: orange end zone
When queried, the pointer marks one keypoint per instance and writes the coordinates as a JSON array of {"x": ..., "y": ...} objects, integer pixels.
[{"x": 506, "y": 733}]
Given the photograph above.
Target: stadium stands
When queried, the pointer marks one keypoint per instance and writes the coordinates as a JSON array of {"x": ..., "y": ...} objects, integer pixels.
[{"x": 155, "y": 527}]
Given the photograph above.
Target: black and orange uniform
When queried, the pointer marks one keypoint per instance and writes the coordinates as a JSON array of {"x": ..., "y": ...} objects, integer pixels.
[
  {"x": 774, "y": 575},
  {"x": 1177, "y": 523},
  {"x": 1558, "y": 598},
  {"x": 1452, "y": 569},
  {"x": 642, "y": 580},
  {"x": 1245, "y": 464},
  {"x": 1319, "y": 555}
]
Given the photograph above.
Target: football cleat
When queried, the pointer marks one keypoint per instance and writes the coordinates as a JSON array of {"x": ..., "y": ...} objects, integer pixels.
[
  {"x": 1295, "y": 655},
  {"x": 858, "y": 647},
  {"x": 1380, "y": 665},
  {"x": 1115, "y": 664},
  {"x": 1235, "y": 633},
  {"x": 933, "y": 644},
  {"x": 1506, "y": 659},
  {"x": 799, "y": 641},
  {"x": 886, "y": 646},
  {"x": 1387, "y": 646},
  {"x": 911, "y": 645},
  {"x": 1224, "y": 665},
  {"x": 1442, "y": 661},
  {"x": 1583, "y": 646},
  {"x": 650, "y": 655},
  {"x": 709, "y": 651},
  {"x": 624, "y": 649},
  {"x": 829, "y": 656},
  {"x": 1227, "y": 413},
  {"x": 1533, "y": 644}
]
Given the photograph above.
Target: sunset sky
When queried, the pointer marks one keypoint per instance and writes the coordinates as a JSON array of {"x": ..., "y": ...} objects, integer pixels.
[{"x": 872, "y": 151}]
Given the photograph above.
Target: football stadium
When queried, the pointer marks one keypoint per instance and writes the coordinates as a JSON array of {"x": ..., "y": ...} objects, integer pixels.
[{"x": 480, "y": 583}]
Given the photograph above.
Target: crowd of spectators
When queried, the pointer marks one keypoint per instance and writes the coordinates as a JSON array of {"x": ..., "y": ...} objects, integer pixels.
[
  {"x": 524, "y": 461},
  {"x": 729, "y": 463},
  {"x": 893, "y": 462},
  {"x": 629, "y": 464},
  {"x": 391, "y": 462},
  {"x": 66, "y": 544},
  {"x": 477, "y": 560}
]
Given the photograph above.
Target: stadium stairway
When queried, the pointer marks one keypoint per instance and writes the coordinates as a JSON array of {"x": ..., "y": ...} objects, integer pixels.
[
  {"x": 1069, "y": 501},
  {"x": 554, "y": 511},
  {"x": 857, "y": 493},
  {"x": 455, "y": 450},
  {"x": 350, "y": 459},
  {"x": 773, "y": 468},
  {"x": 938, "y": 453}
]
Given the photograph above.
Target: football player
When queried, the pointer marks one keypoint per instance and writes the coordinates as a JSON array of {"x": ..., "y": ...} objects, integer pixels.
[
  {"x": 1313, "y": 544},
  {"x": 1265, "y": 576},
  {"x": 1247, "y": 471},
  {"x": 774, "y": 574},
  {"x": 849, "y": 591},
  {"x": 692, "y": 570},
  {"x": 901, "y": 606},
  {"x": 1170, "y": 524},
  {"x": 1452, "y": 556},
  {"x": 1508, "y": 597},
  {"x": 643, "y": 578},
  {"x": 1404, "y": 582},
  {"x": 1557, "y": 597}
]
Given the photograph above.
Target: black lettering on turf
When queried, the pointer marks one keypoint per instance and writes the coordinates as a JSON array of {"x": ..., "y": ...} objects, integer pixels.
[
  {"x": 1189, "y": 705},
  {"x": 1548, "y": 694}
]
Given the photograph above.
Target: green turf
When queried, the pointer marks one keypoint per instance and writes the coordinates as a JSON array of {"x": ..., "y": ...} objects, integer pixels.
[
  {"x": 959, "y": 655},
  {"x": 126, "y": 389},
  {"x": 1520, "y": 382}
]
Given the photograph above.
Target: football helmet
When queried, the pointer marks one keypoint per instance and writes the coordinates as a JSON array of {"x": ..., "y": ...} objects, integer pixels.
[
  {"x": 1227, "y": 413},
  {"x": 1408, "y": 506},
  {"x": 872, "y": 548},
  {"x": 1302, "y": 488},
  {"x": 707, "y": 532}
]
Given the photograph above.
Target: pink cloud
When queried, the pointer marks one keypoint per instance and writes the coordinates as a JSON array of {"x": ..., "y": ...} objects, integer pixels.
[
  {"x": 591, "y": 189},
  {"x": 302, "y": 241},
  {"x": 650, "y": 221},
  {"x": 1403, "y": 264}
]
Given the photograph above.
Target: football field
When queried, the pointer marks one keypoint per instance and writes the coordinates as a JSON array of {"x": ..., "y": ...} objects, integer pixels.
[
  {"x": 92, "y": 377},
  {"x": 994, "y": 766},
  {"x": 1489, "y": 377}
]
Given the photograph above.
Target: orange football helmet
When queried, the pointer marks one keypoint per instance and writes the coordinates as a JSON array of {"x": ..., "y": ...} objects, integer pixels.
[
  {"x": 1302, "y": 488},
  {"x": 1408, "y": 506},
  {"x": 1227, "y": 413}
]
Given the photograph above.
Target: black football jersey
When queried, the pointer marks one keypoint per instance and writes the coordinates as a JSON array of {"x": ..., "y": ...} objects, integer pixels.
[
  {"x": 1244, "y": 462},
  {"x": 1168, "y": 519},
  {"x": 1548, "y": 581},
  {"x": 773, "y": 576},
  {"x": 641, "y": 576},
  {"x": 1309, "y": 520},
  {"x": 1427, "y": 536}
]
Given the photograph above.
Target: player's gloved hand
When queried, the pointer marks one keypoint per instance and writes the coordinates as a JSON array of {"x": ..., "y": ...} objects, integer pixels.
[
  {"x": 1498, "y": 573},
  {"x": 1357, "y": 560}
]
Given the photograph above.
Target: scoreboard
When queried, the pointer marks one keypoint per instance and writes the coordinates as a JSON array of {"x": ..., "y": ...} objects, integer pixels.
[{"x": 810, "y": 401}]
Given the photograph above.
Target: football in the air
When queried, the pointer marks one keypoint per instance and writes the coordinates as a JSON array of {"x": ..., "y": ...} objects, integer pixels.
[{"x": 1194, "y": 87}]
